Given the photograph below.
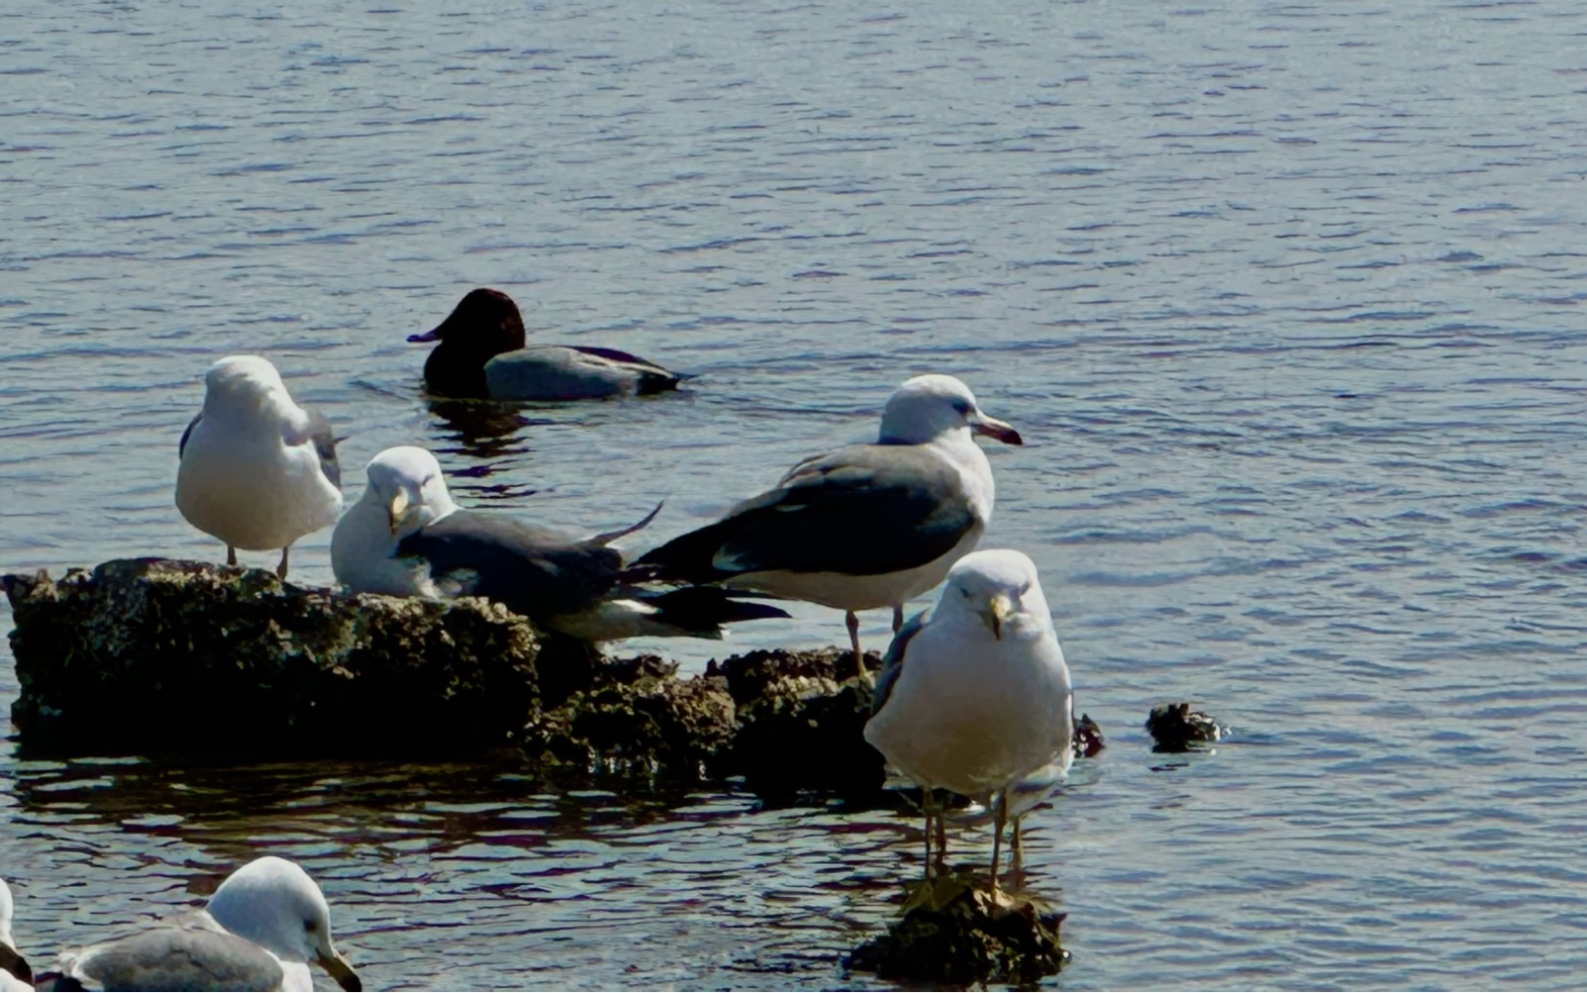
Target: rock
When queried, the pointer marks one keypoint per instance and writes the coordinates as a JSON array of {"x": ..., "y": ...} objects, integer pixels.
[
  {"x": 637, "y": 716},
  {"x": 152, "y": 654},
  {"x": 954, "y": 932},
  {"x": 1175, "y": 727},
  {"x": 801, "y": 722},
  {"x": 1088, "y": 743}
]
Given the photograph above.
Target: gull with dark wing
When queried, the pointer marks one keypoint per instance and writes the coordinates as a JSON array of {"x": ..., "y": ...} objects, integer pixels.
[
  {"x": 260, "y": 931},
  {"x": 482, "y": 355},
  {"x": 406, "y": 537},
  {"x": 865, "y": 526},
  {"x": 976, "y": 697},
  {"x": 257, "y": 471}
]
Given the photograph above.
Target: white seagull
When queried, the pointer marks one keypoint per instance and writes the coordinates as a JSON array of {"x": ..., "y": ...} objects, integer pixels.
[
  {"x": 976, "y": 697},
  {"x": 14, "y": 971},
  {"x": 260, "y": 931},
  {"x": 257, "y": 471},
  {"x": 406, "y": 537},
  {"x": 865, "y": 526}
]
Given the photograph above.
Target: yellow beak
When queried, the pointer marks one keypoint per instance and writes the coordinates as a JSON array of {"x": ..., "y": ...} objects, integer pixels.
[
  {"x": 333, "y": 963},
  {"x": 398, "y": 510},
  {"x": 998, "y": 610}
]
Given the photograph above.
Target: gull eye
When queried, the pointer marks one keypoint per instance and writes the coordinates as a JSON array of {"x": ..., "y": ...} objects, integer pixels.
[
  {"x": 967, "y": 593},
  {"x": 310, "y": 926}
]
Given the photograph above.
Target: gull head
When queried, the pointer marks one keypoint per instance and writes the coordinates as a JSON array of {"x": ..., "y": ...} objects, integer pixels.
[
  {"x": 929, "y": 406},
  {"x": 485, "y": 321},
  {"x": 10, "y": 960},
  {"x": 274, "y": 904},
  {"x": 244, "y": 382},
  {"x": 999, "y": 589},
  {"x": 407, "y": 485}
]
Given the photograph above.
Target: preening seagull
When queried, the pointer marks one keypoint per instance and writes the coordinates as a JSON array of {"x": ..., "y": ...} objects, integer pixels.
[
  {"x": 976, "y": 697},
  {"x": 865, "y": 526},
  {"x": 260, "y": 931},
  {"x": 406, "y": 537},
  {"x": 14, "y": 971},
  {"x": 482, "y": 355},
  {"x": 257, "y": 471}
]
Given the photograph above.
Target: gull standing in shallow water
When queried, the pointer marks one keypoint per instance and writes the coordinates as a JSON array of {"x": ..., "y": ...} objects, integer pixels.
[
  {"x": 406, "y": 537},
  {"x": 976, "y": 697},
  {"x": 257, "y": 471},
  {"x": 14, "y": 971},
  {"x": 865, "y": 526},
  {"x": 482, "y": 355},
  {"x": 260, "y": 931}
]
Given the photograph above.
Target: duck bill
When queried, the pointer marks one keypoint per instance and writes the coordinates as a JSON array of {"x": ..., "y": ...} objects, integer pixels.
[
  {"x": 994, "y": 428},
  {"x": 333, "y": 963},
  {"x": 12, "y": 961},
  {"x": 999, "y": 610},
  {"x": 434, "y": 334}
]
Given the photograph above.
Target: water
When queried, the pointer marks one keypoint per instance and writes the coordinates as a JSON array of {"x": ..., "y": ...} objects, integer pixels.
[{"x": 1286, "y": 300}]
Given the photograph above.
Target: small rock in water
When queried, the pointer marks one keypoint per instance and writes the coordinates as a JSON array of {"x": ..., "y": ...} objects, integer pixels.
[
  {"x": 1175, "y": 727},
  {"x": 956, "y": 932},
  {"x": 1088, "y": 743}
]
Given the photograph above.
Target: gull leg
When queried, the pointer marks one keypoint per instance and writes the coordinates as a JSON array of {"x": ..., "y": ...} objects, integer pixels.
[
  {"x": 928, "y": 804},
  {"x": 281, "y": 570},
  {"x": 942, "y": 843},
  {"x": 1019, "y": 863},
  {"x": 898, "y": 617},
  {"x": 998, "y": 820},
  {"x": 231, "y": 555},
  {"x": 852, "y": 619}
]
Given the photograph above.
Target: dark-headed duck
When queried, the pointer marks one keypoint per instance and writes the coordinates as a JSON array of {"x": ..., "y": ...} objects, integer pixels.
[{"x": 482, "y": 355}]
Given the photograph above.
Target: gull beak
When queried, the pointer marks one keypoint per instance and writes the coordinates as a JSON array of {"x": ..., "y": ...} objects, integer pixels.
[
  {"x": 434, "y": 334},
  {"x": 994, "y": 428},
  {"x": 333, "y": 963},
  {"x": 398, "y": 510},
  {"x": 12, "y": 961},
  {"x": 998, "y": 610}
]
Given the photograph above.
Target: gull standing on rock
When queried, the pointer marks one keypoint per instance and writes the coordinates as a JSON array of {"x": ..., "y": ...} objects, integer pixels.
[
  {"x": 865, "y": 526},
  {"x": 406, "y": 537},
  {"x": 482, "y": 355},
  {"x": 257, "y": 471},
  {"x": 976, "y": 697},
  {"x": 14, "y": 971},
  {"x": 260, "y": 931}
]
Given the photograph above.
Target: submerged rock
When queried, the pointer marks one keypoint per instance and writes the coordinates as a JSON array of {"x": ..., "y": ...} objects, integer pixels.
[
  {"x": 153, "y": 654},
  {"x": 955, "y": 932},
  {"x": 1175, "y": 727}
]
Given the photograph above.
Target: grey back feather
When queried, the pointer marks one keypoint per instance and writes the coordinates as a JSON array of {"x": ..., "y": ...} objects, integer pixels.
[
  {"x": 893, "y": 661},
  {"x": 179, "y": 958}
]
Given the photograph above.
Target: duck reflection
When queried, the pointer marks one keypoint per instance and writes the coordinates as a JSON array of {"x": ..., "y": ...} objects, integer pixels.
[{"x": 483, "y": 429}]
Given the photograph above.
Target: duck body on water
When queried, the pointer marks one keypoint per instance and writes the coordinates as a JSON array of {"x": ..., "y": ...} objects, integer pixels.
[{"x": 482, "y": 354}]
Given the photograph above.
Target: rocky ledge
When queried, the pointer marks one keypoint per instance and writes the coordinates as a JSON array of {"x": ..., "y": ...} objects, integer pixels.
[{"x": 155, "y": 654}]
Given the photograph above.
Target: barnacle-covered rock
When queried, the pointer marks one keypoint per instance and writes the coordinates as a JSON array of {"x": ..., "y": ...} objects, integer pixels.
[{"x": 159, "y": 654}]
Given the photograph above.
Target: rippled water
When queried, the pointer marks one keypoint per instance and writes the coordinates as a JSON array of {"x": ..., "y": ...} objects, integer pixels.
[{"x": 1285, "y": 299}]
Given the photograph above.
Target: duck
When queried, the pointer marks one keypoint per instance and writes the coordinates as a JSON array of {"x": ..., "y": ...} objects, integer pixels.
[{"x": 482, "y": 356}]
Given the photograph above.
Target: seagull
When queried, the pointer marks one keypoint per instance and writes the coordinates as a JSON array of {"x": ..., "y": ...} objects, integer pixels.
[
  {"x": 865, "y": 526},
  {"x": 406, "y": 537},
  {"x": 260, "y": 931},
  {"x": 976, "y": 697},
  {"x": 14, "y": 971},
  {"x": 257, "y": 471},
  {"x": 482, "y": 355}
]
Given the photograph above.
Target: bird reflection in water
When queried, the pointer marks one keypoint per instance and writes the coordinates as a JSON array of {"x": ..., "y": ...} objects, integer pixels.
[{"x": 483, "y": 429}]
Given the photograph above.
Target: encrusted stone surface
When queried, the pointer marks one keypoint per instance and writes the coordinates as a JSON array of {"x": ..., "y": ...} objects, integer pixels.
[
  {"x": 160, "y": 654},
  {"x": 956, "y": 932},
  {"x": 1175, "y": 727}
]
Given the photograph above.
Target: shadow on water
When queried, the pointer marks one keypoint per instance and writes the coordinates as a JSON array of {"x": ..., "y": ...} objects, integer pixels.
[{"x": 483, "y": 429}]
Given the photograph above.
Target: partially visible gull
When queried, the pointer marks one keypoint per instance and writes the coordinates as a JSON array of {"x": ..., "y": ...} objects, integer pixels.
[
  {"x": 482, "y": 355},
  {"x": 406, "y": 537},
  {"x": 976, "y": 697},
  {"x": 865, "y": 526},
  {"x": 14, "y": 971},
  {"x": 260, "y": 931},
  {"x": 257, "y": 471}
]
